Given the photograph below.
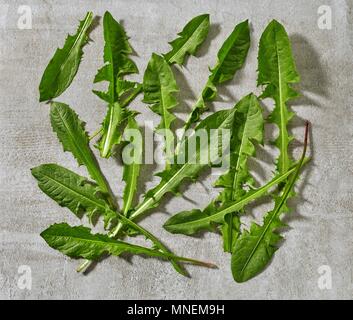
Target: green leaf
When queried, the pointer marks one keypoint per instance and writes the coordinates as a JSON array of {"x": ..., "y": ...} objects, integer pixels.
[
  {"x": 79, "y": 242},
  {"x": 190, "y": 39},
  {"x": 70, "y": 190},
  {"x": 117, "y": 63},
  {"x": 248, "y": 128},
  {"x": 173, "y": 176},
  {"x": 191, "y": 222},
  {"x": 71, "y": 133},
  {"x": 277, "y": 71},
  {"x": 63, "y": 67},
  {"x": 254, "y": 249},
  {"x": 231, "y": 58},
  {"x": 131, "y": 170},
  {"x": 159, "y": 87}
]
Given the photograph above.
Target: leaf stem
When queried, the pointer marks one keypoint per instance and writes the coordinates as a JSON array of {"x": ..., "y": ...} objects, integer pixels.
[
  {"x": 96, "y": 133},
  {"x": 84, "y": 266},
  {"x": 188, "y": 123},
  {"x": 103, "y": 184}
]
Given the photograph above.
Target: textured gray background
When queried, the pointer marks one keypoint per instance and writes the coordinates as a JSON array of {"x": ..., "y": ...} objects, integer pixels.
[{"x": 322, "y": 224}]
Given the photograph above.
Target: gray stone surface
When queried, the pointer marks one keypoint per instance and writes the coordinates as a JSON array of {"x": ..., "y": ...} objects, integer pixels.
[{"x": 322, "y": 224}]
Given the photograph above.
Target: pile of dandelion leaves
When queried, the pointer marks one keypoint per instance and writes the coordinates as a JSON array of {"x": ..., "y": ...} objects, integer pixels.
[{"x": 251, "y": 249}]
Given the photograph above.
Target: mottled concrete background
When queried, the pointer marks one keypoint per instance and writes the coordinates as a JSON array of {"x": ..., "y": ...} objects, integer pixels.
[{"x": 320, "y": 228}]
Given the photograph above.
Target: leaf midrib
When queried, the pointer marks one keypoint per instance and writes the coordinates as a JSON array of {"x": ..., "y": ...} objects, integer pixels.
[
  {"x": 283, "y": 130},
  {"x": 108, "y": 136},
  {"x": 111, "y": 61},
  {"x": 130, "y": 188},
  {"x": 164, "y": 109}
]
